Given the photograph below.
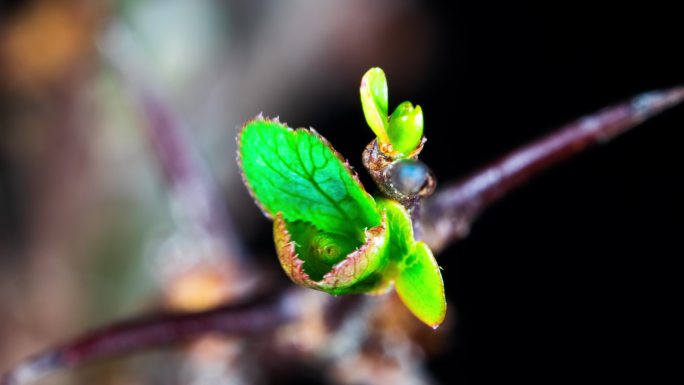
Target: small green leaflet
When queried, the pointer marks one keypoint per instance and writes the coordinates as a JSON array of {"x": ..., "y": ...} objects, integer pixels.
[
  {"x": 419, "y": 280},
  {"x": 374, "y": 101},
  {"x": 403, "y": 130},
  {"x": 420, "y": 286},
  {"x": 330, "y": 234}
]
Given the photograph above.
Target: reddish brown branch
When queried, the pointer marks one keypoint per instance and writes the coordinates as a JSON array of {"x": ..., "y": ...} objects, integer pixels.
[
  {"x": 443, "y": 218},
  {"x": 447, "y": 215},
  {"x": 249, "y": 319}
]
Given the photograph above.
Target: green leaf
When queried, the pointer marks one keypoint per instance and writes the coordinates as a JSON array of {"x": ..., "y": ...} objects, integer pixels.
[
  {"x": 405, "y": 128},
  {"x": 400, "y": 229},
  {"x": 360, "y": 271},
  {"x": 420, "y": 286},
  {"x": 327, "y": 230},
  {"x": 374, "y": 101},
  {"x": 318, "y": 249},
  {"x": 417, "y": 277},
  {"x": 330, "y": 234},
  {"x": 298, "y": 173}
]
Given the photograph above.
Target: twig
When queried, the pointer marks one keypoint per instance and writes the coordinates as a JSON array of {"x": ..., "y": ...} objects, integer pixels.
[
  {"x": 446, "y": 216},
  {"x": 248, "y": 319},
  {"x": 443, "y": 218},
  {"x": 187, "y": 179},
  {"x": 192, "y": 189}
]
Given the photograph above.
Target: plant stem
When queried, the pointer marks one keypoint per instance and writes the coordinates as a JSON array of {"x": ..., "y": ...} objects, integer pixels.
[
  {"x": 252, "y": 318},
  {"x": 446, "y": 216}
]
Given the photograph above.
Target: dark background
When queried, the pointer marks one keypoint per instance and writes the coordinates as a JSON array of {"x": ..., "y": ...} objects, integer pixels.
[{"x": 573, "y": 277}]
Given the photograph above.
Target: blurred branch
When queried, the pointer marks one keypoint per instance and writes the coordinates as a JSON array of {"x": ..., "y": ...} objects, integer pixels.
[
  {"x": 193, "y": 190},
  {"x": 446, "y": 217},
  {"x": 190, "y": 185},
  {"x": 252, "y": 318}
]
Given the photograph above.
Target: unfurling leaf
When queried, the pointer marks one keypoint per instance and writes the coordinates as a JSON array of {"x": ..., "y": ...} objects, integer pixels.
[
  {"x": 359, "y": 271},
  {"x": 330, "y": 234}
]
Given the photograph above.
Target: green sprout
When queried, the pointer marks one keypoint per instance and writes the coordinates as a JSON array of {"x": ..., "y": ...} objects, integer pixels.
[
  {"x": 403, "y": 130},
  {"x": 329, "y": 233}
]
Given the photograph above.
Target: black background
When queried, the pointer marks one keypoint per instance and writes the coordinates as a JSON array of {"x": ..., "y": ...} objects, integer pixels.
[{"x": 575, "y": 276}]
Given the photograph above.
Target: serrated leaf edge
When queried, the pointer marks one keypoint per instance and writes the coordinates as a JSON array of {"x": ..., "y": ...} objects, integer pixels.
[
  {"x": 310, "y": 130},
  {"x": 344, "y": 274}
]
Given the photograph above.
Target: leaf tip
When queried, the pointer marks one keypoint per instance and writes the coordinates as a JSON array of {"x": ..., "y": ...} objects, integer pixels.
[{"x": 420, "y": 287}]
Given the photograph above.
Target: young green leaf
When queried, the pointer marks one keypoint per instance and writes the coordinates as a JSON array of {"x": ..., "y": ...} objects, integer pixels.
[
  {"x": 330, "y": 234},
  {"x": 420, "y": 286},
  {"x": 401, "y": 231},
  {"x": 399, "y": 136},
  {"x": 405, "y": 128},
  {"x": 374, "y": 101},
  {"x": 298, "y": 173},
  {"x": 417, "y": 277}
]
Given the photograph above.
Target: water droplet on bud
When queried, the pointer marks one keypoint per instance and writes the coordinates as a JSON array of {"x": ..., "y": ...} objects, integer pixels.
[{"x": 409, "y": 176}]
